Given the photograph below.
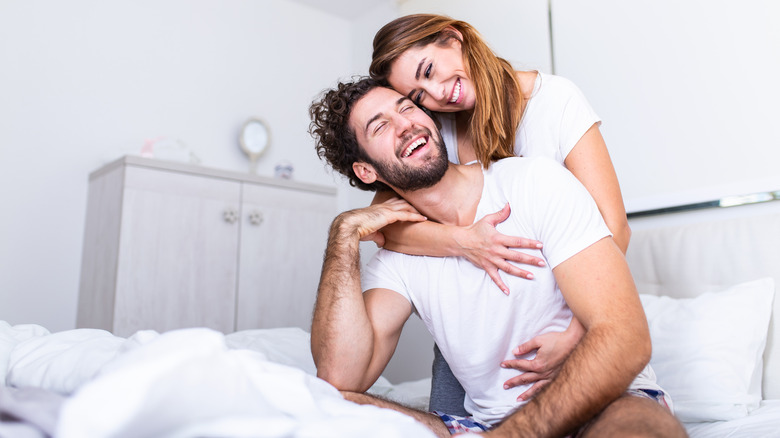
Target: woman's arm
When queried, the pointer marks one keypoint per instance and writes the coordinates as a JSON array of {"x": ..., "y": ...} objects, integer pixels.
[
  {"x": 589, "y": 161},
  {"x": 480, "y": 243}
]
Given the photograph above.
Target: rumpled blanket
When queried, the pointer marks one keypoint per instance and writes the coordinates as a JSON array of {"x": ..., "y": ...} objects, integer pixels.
[{"x": 193, "y": 383}]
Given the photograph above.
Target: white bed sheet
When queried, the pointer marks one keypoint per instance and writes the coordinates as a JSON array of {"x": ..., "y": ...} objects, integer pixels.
[
  {"x": 191, "y": 383},
  {"x": 761, "y": 422},
  {"x": 198, "y": 382}
]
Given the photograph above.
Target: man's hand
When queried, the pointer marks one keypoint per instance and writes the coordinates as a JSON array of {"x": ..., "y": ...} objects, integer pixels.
[
  {"x": 366, "y": 222},
  {"x": 351, "y": 346}
]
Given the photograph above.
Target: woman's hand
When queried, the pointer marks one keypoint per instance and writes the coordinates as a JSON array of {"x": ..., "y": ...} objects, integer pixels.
[
  {"x": 490, "y": 250},
  {"x": 552, "y": 349}
]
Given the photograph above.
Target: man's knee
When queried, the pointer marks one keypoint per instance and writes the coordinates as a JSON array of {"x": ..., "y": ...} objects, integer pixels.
[{"x": 632, "y": 416}]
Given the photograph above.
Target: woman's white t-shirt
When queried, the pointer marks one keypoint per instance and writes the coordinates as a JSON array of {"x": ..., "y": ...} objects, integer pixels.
[{"x": 556, "y": 117}]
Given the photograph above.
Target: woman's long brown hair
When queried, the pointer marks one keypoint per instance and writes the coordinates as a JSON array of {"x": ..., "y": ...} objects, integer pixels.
[{"x": 498, "y": 107}]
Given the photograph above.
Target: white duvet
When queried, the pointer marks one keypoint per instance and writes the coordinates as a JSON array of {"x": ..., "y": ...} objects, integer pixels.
[{"x": 188, "y": 383}]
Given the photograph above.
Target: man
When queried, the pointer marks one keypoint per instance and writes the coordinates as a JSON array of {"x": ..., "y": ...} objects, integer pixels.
[{"x": 377, "y": 137}]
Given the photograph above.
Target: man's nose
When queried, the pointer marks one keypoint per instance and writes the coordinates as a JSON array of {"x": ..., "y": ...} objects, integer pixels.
[{"x": 404, "y": 124}]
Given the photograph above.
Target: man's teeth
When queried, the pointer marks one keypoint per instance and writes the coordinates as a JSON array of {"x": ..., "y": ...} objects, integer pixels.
[
  {"x": 456, "y": 93},
  {"x": 413, "y": 146}
]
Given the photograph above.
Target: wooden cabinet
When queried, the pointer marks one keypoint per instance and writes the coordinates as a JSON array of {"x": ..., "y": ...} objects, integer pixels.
[{"x": 171, "y": 245}]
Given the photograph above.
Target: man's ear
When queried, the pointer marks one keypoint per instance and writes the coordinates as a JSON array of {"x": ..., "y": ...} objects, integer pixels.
[{"x": 365, "y": 172}]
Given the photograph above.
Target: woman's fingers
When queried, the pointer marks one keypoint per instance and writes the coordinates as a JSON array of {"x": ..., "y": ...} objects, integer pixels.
[
  {"x": 493, "y": 274},
  {"x": 533, "y": 390}
]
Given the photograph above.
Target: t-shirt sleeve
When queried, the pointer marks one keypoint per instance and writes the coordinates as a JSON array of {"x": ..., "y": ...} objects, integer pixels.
[
  {"x": 564, "y": 215},
  {"x": 383, "y": 271},
  {"x": 577, "y": 117}
]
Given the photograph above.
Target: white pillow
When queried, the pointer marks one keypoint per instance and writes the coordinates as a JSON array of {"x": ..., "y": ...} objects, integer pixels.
[{"x": 707, "y": 350}]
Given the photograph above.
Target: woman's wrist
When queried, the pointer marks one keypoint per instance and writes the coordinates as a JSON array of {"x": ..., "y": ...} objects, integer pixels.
[{"x": 458, "y": 241}]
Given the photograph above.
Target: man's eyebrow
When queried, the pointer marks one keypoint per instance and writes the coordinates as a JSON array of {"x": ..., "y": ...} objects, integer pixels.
[
  {"x": 379, "y": 114},
  {"x": 372, "y": 120}
]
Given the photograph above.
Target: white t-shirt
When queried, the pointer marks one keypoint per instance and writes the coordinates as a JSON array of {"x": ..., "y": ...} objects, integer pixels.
[
  {"x": 474, "y": 324},
  {"x": 556, "y": 117}
]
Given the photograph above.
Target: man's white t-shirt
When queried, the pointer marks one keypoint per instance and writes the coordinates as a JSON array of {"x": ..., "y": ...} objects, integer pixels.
[
  {"x": 556, "y": 117},
  {"x": 474, "y": 324}
]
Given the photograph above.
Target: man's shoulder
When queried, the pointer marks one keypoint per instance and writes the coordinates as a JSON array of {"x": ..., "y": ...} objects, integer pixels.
[{"x": 524, "y": 166}]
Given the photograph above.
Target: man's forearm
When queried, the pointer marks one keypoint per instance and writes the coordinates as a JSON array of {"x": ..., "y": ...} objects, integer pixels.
[
  {"x": 341, "y": 335},
  {"x": 598, "y": 371}
]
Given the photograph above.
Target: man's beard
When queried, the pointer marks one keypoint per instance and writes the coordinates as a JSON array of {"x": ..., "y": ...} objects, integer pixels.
[{"x": 409, "y": 179}]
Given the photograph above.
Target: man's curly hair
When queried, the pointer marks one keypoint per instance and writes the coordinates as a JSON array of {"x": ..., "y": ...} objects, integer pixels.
[{"x": 334, "y": 139}]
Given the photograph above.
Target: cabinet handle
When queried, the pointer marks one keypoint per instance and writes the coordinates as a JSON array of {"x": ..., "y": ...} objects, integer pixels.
[
  {"x": 230, "y": 215},
  {"x": 256, "y": 218}
]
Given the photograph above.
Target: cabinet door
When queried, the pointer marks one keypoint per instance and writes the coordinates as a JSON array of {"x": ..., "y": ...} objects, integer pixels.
[
  {"x": 283, "y": 238},
  {"x": 177, "y": 252}
]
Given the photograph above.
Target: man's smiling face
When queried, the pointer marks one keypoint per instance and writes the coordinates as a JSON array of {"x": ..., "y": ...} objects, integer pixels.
[{"x": 402, "y": 142}]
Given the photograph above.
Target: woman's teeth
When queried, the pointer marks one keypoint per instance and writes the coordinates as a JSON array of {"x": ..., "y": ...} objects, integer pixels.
[
  {"x": 456, "y": 93},
  {"x": 415, "y": 144}
]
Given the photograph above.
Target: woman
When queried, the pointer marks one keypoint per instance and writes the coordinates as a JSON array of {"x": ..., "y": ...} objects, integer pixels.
[{"x": 489, "y": 111}]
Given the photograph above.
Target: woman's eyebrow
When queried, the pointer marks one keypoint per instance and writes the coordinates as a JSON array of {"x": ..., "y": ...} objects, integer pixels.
[{"x": 419, "y": 67}]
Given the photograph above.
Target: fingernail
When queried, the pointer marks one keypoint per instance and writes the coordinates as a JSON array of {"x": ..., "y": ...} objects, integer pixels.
[
  {"x": 516, "y": 352},
  {"x": 506, "y": 386},
  {"x": 538, "y": 245},
  {"x": 520, "y": 398},
  {"x": 503, "y": 365},
  {"x": 530, "y": 276}
]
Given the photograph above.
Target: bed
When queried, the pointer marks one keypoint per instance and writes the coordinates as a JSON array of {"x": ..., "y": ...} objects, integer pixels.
[{"x": 707, "y": 281}]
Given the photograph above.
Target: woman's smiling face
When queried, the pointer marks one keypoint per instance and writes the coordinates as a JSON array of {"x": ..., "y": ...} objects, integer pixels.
[{"x": 435, "y": 77}]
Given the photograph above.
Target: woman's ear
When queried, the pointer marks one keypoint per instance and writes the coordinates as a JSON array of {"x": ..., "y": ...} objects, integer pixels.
[{"x": 365, "y": 172}]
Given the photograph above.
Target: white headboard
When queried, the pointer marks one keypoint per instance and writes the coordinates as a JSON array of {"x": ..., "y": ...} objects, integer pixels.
[{"x": 685, "y": 254}]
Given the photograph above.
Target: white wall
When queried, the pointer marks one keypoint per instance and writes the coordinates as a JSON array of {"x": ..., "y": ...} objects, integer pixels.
[
  {"x": 688, "y": 91},
  {"x": 83, "y": 82}
]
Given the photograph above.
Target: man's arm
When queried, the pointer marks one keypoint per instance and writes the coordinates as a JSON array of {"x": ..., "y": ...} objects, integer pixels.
[
  {"x": 600, "y": 291},
  {"x": 353, "y": 334}
]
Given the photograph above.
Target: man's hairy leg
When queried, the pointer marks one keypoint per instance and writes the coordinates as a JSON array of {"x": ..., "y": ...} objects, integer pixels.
[
  {"x": 431, "y": 421},
  {"x": 633, "y": 416}
]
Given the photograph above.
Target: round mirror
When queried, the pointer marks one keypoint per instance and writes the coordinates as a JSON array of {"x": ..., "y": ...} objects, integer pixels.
[{"x": 254, "y": 140}]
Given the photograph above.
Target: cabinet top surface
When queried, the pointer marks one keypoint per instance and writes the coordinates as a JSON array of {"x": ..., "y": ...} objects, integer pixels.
[{"x": 172, "y": 166}]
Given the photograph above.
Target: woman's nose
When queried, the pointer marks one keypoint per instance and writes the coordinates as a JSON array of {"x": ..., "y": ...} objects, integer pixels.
[{"x": 436, "y": 91}]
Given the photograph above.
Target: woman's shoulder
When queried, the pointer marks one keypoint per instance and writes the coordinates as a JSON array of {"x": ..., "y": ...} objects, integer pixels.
[{"x": 557, "y": 84}]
